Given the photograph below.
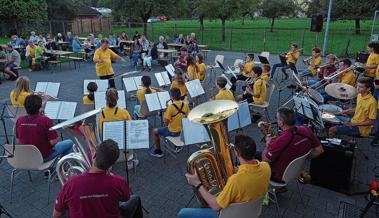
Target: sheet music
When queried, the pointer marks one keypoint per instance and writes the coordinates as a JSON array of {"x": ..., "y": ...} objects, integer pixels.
[
  {"x": 121, "y": 99},
  {"x": 102, "y": 85},
  {"x": 41, "y": 87},
  {"x": 228, "y": 83},
  {"x": 194, "y": 133},
  {"x": 115, "y": 130},
  {"x": 160, "y": 79},
  {"x": 67, "y": 110},
  {"x": 137, "y": 134},
  {"x": 52, "y": 89},
  {"x": 166, "y": 78},
  {"x": 163, "y": 98},
  {"x": 244, "y": 115},
  {"x": 138, "y": 82},
  {"x": 152, "y": 102},
  {"x": 233, "y": 122},
  {"x": 52, "y": 109},
  {"x": 129, "y": 84},
  {"x": 100, "y": 99},
  {"x": 194, "y": 88},
  {"x": 170, "y": 69}
]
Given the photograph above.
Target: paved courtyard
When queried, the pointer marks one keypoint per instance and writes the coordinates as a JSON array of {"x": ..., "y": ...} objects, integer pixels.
[{"x": 161, "y": 182}]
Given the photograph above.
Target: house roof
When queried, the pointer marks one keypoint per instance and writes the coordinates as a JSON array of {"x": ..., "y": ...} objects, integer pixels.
[{"x": 88, "y": 11}]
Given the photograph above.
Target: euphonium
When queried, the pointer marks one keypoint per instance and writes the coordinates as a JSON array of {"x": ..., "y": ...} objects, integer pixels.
[
  {"x": 82, "y": 131},
  {"x": 213, "y": 165}
]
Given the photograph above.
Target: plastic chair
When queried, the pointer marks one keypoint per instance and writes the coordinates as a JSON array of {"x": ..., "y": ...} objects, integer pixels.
[
  {"x": 266, "y": 103},
  {"x": 28, "y": 158},
  {"x": 291, "y": 173},
  {"x": 173, "y": 145},
  {"x": 251, "y": 209}
]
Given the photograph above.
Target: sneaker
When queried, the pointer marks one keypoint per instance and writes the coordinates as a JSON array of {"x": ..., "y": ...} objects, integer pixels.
[
  {"x": 155, "y": 152},
  {"x": 133, "y": 163},
  {"x": 178, "y": 149},
  {"x": 149, "y": 69},
  {"x": 374, "y": 143}
]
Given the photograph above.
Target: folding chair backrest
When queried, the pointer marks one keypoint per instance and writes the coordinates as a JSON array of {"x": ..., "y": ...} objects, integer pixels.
[
  {"x": 237, "y": 62},
  {"x": 251, "y": 209},
  {"x": 270, "y": 90},
  {"x": 15, "y": 112},
  {"x": 294, "y": 168},
  {"x": 145, "y": 110},
  {"x": 25, "y": 157},
  {"x": 219, "y": 58}
]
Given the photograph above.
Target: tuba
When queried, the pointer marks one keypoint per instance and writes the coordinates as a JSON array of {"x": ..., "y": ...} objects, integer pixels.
[
  {"x": 213, "y": 165},
  {"x": 82, "y": 131}
]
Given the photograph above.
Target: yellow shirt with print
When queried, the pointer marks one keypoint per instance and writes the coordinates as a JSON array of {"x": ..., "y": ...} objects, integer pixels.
[
  {"x": 192, "y": 72},
  {"x": 175, "y": 117},
  {"x": 224, "y": 94},
  {"x": 105, "y": 68},
  {"x": 259, "y": 88},
  {"x": 348, "y": 78},
  {"x": 20, "y": 100},
  {"x": 247, "y": 69},
  {"x": 292, "y": 58},
  {"x": 249, "y": 183},
  {"x": 181, "y": 87},
  {"x": 109, "y": 114},
  {"x": 316, "y": 61},
  {"x": 86, "y": 100},
  {"x": 365, "y": 110},
  {"x": 373, "y": 59},
  {"x": 202, "y": 68}
]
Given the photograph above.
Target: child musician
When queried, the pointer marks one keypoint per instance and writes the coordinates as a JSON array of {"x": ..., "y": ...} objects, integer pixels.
[
  {"x": 92, "y": 88},
  {"x": 256, "y": 91},
  {"x": 291, "y": 59},
  {"x": 179, "y": 84},
  {"x": 223, "y": 93}
]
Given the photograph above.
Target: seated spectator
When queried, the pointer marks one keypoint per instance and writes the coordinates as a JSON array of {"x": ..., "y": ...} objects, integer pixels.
[
  {"x": 180, "y": 39},
  {"x": 59, "y": 38},
  {"x": 20, "y": 92},
  {"x": 144, "y": 43},
  {"x": 122, "y": 42},
  {"x": 3, "y": 56},
  {"x": 51, "y": 45},
  {"x": 135, "y": 52},
  {"x": 30, "y": 53},
  {"x": 181, "y": 63},
  {"x": 97, "y": 41},
  {"x": 15, "y": 41},
  {"x": 89, "y": 46},
  {"x": 136, "y": 36},
  {"x": 76, "y": 44},
  {"x": 154, "y": 53},
  {"x": 13, "y": 61},
  {"x": 39, "y": 55},
  {"x": 112, "y": 39},
  {"x": 33, "y": 37},
  {"x": 192, "y": 46},
  {"x": 41, "y": 38},
  {"x": 69, "y": 37},
  {"x": 147, "y": 59},
  {"x": 34, "y": 129}
]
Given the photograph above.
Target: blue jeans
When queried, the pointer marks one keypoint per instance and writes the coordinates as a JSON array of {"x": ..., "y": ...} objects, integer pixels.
[
  {"x": 347, "y": 130},
  {"x": 197, "y": 213},
  {"x": 61, "y": 149},
  {"x": 375, "y": 131},
  {"x": 376, "y": 94},
  {"x": 136, "y": 57},
  {"x": 163, "y": 131}
]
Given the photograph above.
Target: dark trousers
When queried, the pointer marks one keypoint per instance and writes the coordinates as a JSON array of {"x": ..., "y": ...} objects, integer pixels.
[
  {"x": 132, "y": 208},
  {"x": 284, "y": 68},
  {"x": 110, "y": 81}
]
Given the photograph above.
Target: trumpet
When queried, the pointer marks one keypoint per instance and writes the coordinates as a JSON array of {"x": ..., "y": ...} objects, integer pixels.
[
  {"x": 326, "y": 65},
  {"x": 307, "y": 61},
  {"x": 291, "y": 52}
]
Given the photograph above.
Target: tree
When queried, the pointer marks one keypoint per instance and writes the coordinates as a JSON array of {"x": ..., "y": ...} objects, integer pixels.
[
  {"x": 277, "y": 8},
  {"x": 62, "y": 9}
]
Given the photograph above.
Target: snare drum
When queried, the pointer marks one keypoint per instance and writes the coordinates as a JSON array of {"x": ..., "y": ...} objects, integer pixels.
[
  {"x": 315, "y": 95},
  {"x": 330, "y": 118},
  {"x": 330, "y": 108}
]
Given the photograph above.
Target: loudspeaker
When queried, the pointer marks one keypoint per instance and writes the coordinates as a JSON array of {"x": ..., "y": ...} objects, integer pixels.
[{"x": 316, "y": 23}]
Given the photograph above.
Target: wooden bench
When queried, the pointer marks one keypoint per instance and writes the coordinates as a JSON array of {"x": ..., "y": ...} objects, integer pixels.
[
  {"x": 75, "y": 59},
  {"x": 205, "y": 53},
  {"x": 55, "y": 63}
]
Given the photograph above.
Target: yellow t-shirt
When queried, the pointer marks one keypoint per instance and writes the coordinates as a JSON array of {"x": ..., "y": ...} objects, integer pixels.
[
  {"x": 202, "y": 68},
  {"x": 32, "y": 51},
  {"x": 141, "y": 94},
  {"x": 373, "y": 59},
  {"x": 192, "y": 72},
  {"x": 348, "y": 78},
  {"x": 104, "y": 69},
  {"x": 259, "y": 88},
  {"x": 247, "y": 69},
  {"x": 181, "y": 87},
  {"x": 175, "y": 117},
  {"x": 266, "y": 76},
  {"x": 316, "y": 61},
  {"x": 249, "y": 183},
  {"x": 377, "y": 72},
  {"x": 224, "y": 94},
  {"x": 20, "y": 100},
  {"x": 109, "y": 114},
  {"x": 365, "y": 110},
  {"x": 86, "y": 100},
  {"x": 292, "y": 58}
]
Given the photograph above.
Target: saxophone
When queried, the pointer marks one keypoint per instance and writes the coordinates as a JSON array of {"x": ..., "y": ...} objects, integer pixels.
[
  {"x": 213, "y": 165},
  {"x": 266, "y": 129},
  {"x": 82, "y": 131}
]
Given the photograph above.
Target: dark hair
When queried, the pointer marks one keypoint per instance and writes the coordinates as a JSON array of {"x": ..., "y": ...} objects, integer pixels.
[
  {"x": 106, "y": 154},
  {"x": 267, "y": 67},
  {"x": 221, "y": 81},
  {"x": 374, "y": 46},
  {"x": 201, "y": 58},
  {"x": 183, "y": 48},
  {"x": 346, "y": 61},
  {"x": 245, "y": 146},
  {"x": 251, "y": 55},
  {"x": 175, "y": 93},
  {"x": 179, "y": 74},
  {"x": 104, "y": 41},
  {"x": 294, "y": 45},
  {"x": 111, "y": 97},
  {"x": 316, "y": 49},
  {"x": 287, "y": 116},
  {"x": 368, "y": 82},
  {"x": 191, "y": 61},
  {"x": 257, "y": 70},
  {"x": 91, "y": 87},
  {"x": 33, "y": 104},
  {"x": 146, "y": 82}
]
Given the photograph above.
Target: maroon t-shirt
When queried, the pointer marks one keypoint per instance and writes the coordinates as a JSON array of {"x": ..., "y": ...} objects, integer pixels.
[
  {"x": 34, "y": 130},
  {"x": 95, "y": 195},
  {"x": 281, "y": 150}
]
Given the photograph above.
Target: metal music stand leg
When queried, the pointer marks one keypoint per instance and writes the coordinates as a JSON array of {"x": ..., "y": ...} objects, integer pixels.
[
  {"x": 4, "y": 211},
  {"x": 189, "y": 202}
]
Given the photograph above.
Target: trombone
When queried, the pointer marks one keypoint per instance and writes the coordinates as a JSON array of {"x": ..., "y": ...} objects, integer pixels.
[{"x": 333, "y": 76}]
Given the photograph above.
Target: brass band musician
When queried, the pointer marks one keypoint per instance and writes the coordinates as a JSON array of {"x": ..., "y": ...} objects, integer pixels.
[
  {"x": 312, "y": 63},
  {"x": 255, "y": 92},
  {"x": 322, "y": 71},
  {"x": 291, "y": 56},
  {"x": 373, "y": 59}
]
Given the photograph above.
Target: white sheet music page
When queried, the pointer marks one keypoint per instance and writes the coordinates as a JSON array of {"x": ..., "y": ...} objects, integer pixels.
[
  {"x": 102, "y": 85},
  {"x": 41, "y": 87},
  {"x": 166, "y": 78},
  {"x": 67, "y": 110},
  {"x": 228, "y": 83},
  {"x": 163, "y": 98},
  {"x": 194, "y": 133},
  {"x": 129, "y": 84},
  {"x": 99, "y": 100},
  {"x": 85, "y": 84},
  {"x": 137, "y": 134},
  {"x": 52, "y": 109},
  {"x": 138, "y": 82},
  {"x": 244, "y": 114},
  {"x": 160, "y": 79},
  {"x": 170, "y": 69},
  {"x": 194, "y": 88},
  {"x": 121, "y": 99},
  {"x": 52, "y": 89},
  {"x": 152, "y": 102},
  {"x": 115, "y": 130},
  {"x": 233, "y": 122}
]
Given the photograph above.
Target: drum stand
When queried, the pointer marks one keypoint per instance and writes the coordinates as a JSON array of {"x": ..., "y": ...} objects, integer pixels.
[{"x": 4, "y": 211}]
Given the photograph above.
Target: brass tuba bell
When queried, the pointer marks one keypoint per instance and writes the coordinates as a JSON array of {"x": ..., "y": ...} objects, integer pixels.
[{"x": 213, "y": 165}]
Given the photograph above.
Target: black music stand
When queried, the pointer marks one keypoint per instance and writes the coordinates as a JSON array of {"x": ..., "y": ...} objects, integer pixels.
[
  {"x": 263, "y": 60},
  {"x": 283, "y": 59},
  {"x": 221, "y": 66}
]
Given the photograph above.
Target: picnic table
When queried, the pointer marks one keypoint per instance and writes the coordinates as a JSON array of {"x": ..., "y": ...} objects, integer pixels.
[
  {"x": 175, "y": 45},
  {"x": 169, "y": 52}
]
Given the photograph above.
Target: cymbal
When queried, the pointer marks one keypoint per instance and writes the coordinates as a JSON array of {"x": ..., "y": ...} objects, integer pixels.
[{"x": 341, "y": 91}]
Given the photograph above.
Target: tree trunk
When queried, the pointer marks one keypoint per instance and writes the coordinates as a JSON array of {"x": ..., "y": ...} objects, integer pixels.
[
  {"x": 243, "y": 20},
  {"x": 201, "y": 18},
  {"x": 145, "y": 28},
  {"x": 223, "y": 29},
  {"x": 357, "y": 26},
  {"x": 272, "y": 24}
]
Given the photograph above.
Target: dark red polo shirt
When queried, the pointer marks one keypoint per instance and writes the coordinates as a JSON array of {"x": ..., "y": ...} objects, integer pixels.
[
  {"x": 95, "y": 195},
  {"x": 281, "y": 150},
  {"x": 34, "y": 130}
]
